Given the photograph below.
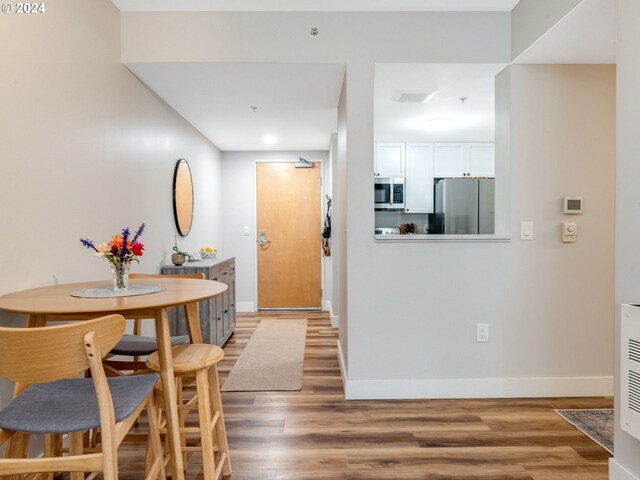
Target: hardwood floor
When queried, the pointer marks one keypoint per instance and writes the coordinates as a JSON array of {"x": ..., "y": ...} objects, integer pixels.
[{"x": 316, "y": 434}]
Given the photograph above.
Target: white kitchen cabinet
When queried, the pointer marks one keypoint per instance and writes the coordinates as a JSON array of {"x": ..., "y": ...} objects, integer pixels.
[
  {"x": 389, "y": 160},
  {"x": 463, "y": 160},
  {"x": 480, "y": 159},
  {"x": 449, "y": 160},
  {"x": 419, "y": 178}
]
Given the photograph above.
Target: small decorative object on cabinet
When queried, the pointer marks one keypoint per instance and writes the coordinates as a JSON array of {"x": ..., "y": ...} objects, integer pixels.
[{"x": 218, "y": 314}]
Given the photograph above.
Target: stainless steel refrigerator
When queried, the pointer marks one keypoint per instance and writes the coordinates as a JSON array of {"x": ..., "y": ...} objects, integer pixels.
[{"x": 464, "y": 206}]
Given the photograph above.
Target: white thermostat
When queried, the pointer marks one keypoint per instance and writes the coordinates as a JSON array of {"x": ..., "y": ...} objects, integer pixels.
[{"x": 572, "y": 205}]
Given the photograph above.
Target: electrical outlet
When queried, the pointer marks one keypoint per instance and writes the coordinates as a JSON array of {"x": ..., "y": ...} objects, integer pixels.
[{"x": 482, "y": 332}]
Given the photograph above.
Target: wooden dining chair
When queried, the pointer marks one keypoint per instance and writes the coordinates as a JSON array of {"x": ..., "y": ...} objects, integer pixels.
[
  {"x": 50, "y": 398},
  {"x": 136, "y": 345}
]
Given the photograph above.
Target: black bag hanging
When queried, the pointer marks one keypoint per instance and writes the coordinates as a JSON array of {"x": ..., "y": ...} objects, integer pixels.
[{"x": 326, "y": 232}]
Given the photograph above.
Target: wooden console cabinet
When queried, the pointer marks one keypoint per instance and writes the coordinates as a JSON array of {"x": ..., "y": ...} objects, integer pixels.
[{"x": 218, "y": 314}]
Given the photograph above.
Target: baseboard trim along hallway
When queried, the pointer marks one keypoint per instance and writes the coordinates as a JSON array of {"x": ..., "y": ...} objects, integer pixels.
[{"x": 473, "y": 387}]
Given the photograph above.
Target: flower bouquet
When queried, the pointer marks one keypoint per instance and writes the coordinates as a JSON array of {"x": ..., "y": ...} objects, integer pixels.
[{"x": 119, "y": 252}]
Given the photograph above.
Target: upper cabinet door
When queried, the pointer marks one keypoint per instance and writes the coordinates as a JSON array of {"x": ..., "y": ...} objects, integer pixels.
[
  {"x": 450, "y": 160},
  {"x": 480, "y": 159},
  {"x": 389, "y": 161},
  {"x": 419, "y": 180}
]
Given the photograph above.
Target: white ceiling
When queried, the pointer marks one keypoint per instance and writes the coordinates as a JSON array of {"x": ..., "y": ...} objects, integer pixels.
[
  {"x": 317, "y": 5},
  {"x": 471, "y": 121},
  {"x": 296, "y": 103}
]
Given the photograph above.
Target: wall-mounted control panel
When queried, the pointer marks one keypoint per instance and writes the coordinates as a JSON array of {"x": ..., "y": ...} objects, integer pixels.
[
  {"x": 569, "y": 232},
  {"x": 572, "y": 205}
]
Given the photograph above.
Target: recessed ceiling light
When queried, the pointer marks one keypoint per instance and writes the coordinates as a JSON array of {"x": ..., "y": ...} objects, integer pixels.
[{"x": 270, "y": 139}]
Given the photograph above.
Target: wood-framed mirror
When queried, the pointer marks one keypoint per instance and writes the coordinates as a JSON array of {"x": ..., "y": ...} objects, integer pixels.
[{"x": 183, "y": 197}]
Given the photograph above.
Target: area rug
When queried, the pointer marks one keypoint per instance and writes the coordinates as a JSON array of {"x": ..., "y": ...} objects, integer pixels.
[
  {"x": 595, "y": 424},
  {"x": 272, "y": 360}
]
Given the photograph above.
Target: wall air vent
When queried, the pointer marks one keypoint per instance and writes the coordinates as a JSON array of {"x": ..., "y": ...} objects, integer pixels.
[
  {"x": 413, "y": 96},
  {"x": 630, "y": 370}
]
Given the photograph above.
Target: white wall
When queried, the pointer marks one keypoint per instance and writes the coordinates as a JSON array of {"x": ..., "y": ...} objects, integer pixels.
[
  {"x": 548, "y": 304},
  {"x": 86, "y": 150},
  {"x": 530, "y": 19},
  {"x": 340, "y": 266},
  {"x": 627, "y": 279},
  {"x": 238, "y": 192}
]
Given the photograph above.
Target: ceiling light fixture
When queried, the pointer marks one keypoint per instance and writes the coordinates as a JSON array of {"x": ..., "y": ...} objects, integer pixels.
[{"x": 270, "y": 139}]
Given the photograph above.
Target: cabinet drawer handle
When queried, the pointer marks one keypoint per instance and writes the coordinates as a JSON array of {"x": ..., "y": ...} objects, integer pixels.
[
  {"x": 224, "y": 273},
  {"x": 216, "y": 278},
  {"x": 226, "y": 311}
]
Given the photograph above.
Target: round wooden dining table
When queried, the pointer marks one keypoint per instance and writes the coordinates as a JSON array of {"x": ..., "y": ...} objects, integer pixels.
[{"x": 56, "y": 303}]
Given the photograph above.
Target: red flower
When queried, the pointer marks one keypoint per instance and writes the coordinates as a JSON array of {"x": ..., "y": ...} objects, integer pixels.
[
  {"x": 113, "y": 250},
  {"x": 137, "y": 248}
]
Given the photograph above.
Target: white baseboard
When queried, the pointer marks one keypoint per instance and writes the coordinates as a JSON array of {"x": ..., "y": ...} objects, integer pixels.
[
  {"x": 476, "y": 387},
  {"x": 245, "y": 307},
  {"x": 618, "y": 472},
  {"x": 343, "y": 368},
  {"x": 326, "y": 307},
  {"x": 473, "y": 388}
]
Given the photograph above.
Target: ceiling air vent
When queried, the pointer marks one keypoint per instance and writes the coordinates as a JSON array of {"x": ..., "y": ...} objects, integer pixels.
[{"x": 413, "y": 96}]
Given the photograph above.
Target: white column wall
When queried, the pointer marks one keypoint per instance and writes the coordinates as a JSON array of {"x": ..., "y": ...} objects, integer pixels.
[{"x": 626, "y": 462}]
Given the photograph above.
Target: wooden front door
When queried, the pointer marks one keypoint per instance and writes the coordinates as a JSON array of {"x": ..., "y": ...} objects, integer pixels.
[{"x": 288, "y": 219}]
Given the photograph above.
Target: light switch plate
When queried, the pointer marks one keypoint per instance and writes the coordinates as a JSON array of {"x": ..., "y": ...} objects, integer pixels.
[{"x": 526, "y": 230}]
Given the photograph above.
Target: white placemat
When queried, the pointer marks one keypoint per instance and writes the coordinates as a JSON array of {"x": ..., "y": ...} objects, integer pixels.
[{"x": 107, "y": 291}]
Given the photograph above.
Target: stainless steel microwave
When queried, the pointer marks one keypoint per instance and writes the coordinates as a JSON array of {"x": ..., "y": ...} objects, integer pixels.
[{"x": 389, "y": 193}]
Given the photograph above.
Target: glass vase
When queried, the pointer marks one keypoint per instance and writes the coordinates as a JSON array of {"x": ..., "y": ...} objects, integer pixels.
[{"x": 120, "y": 273}]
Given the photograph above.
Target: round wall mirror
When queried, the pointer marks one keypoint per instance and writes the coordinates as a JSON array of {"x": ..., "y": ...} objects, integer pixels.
[{"x": 183, "y": 197}]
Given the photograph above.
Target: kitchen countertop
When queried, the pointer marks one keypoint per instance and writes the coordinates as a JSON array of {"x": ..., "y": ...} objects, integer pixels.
[{"x": 427, "y": 238}]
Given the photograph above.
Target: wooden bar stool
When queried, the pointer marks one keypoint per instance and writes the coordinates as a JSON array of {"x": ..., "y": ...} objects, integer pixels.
[
  {"x": 138, "y": 345},
  {"x": 200, "y": 360}
]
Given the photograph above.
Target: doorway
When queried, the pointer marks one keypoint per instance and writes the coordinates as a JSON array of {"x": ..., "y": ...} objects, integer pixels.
[{"x": 289, "y": 241}]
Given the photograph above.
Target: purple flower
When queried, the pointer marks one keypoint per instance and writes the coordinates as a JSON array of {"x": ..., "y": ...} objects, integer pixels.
[
  {"x": 124, "y": 249},
  {"x": 88, "y": 243},
  {"x": 138, "y": 233}
]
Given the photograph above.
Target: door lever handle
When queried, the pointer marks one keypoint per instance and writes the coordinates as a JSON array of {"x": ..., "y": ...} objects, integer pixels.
[{"x": 263, "y": 239}]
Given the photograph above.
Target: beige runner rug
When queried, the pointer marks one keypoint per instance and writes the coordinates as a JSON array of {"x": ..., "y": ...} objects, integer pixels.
[{"x": 272, "y": 360}]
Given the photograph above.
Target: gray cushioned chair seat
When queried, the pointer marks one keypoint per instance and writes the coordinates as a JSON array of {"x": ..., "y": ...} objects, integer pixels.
[
  {"x": 132, "y": 345},
  {"x": 71, "y": 405}
]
